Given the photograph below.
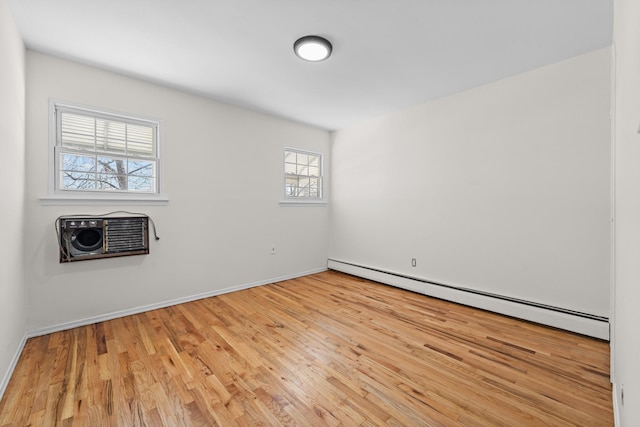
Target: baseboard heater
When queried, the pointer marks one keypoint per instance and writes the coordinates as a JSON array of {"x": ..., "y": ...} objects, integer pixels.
[{"x": 574, "y": 321}]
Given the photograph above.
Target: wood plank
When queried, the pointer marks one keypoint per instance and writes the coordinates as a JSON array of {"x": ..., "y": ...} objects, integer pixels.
[{"x": 327, "y": 349}]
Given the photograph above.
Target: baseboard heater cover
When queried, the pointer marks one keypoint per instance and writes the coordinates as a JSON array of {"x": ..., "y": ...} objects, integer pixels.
[{"x": 581, "y": 323}]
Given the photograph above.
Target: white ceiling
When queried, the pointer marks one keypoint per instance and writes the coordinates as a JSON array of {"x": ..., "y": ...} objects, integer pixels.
[{"x": 388, "y": 54}]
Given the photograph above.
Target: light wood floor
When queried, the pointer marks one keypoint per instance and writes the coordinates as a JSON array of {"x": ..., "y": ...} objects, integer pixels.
[{"x": 327, "y": 349}]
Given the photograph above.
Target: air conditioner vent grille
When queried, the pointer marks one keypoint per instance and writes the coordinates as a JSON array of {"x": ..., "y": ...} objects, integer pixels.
[{"x": 126, "y": 234}]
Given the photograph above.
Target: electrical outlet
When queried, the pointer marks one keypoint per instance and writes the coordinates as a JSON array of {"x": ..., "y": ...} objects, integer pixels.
[
  {"x": 413, "y": 262},
  {"x": 273, "y": 249}
]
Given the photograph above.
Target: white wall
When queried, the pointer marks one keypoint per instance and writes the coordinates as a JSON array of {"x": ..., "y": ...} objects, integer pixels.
[
  {"x": 626, "y": 339},
  {"x": 12, "y": 173},
  {"x": 503, "y": 189},
  {"x": 223, "y": 177}
]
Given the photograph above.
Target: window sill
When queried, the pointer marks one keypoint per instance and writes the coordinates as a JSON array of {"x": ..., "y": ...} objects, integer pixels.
[
  {"x": 98, "y": 200},
  {"x": 317, "y": 203}
]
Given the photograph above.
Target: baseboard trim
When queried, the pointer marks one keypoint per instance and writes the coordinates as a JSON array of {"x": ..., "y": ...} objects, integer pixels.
[
  {"x": 12, "y": 366},
  {"x": 136, "y": 310},
  {"x": 582, "y": 323},
  {"x": 616, "y": 406}
]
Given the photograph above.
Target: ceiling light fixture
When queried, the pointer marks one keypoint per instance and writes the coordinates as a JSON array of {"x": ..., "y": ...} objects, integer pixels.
[{"x": 312, "y": 48}]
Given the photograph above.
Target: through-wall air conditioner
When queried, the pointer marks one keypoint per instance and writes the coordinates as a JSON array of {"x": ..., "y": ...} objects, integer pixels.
[{"x": 84, "y": 238}]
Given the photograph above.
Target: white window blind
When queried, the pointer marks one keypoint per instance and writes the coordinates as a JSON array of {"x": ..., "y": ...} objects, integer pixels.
[
  {"x": 302, "y": 175},
  {"x": 103, "y": 152}
]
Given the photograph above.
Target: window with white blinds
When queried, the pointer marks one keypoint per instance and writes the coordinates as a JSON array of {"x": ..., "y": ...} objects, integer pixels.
[
  {"x": 98, "y": 151},
  {"x": 302, "y": 175}
]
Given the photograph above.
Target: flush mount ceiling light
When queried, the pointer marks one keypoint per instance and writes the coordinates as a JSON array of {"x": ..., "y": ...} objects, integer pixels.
[{"x": 312, "y": 48}]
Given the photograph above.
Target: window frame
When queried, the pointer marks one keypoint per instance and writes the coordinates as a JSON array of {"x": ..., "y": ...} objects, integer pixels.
[
  {"x": 58, "y": 195},
  {"x": 292, "y": 200}
]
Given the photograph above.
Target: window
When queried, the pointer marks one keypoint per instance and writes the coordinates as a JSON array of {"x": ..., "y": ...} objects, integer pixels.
[
  {"x": 103, "y": 152},
  {"x": 302, "y": 175}
]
